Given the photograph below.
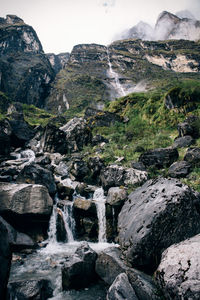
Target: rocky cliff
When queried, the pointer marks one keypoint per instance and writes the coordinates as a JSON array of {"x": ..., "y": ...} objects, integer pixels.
[
  {"x": 95, "y": 74},
  {"x": 58, "y": 61},
  {"x": 25, "y": 71}
]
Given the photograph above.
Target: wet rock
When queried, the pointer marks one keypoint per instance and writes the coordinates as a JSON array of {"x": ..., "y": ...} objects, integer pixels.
[
  {"x": 77, "y": 133},
  {"x": 17, "y": 240},
  {"x": 43, "y": 160},
  {"x": 116, "y": 196},
  {"x": 30, "y": 289},
  {"x": 33, "y": 173},
  {"x": 5, "y": 137},
  {"x": 178, "y": 273},
  {"x": 193, "y": 156},
  {"x": 61, "y": 234},
  {"x": 159, "y": 158},
  {"x": 5, "y": 259},
  {"x": 179, "y": 169},
  {"x": 184, "y": 141},
  {"x": 65, "y": 190},
  {"x": 79, "y": 270},
  {"x": 61, "y": 169},
  {"x": 158, "y": 214},
  {"x": 121, "y": 289},
  {"x": 109, "y": 265},
  {"x": 85, "y": 205}
]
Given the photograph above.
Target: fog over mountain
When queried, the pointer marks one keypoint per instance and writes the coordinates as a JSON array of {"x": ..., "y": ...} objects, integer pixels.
[{"x": 181, "y": 25}]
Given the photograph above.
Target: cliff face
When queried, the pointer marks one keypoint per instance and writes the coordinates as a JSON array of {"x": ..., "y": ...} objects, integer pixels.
[
  {"x": 25, "y": 70},
  {"x": 58, "y": 61},
  {"x": 95, "y": 73}
]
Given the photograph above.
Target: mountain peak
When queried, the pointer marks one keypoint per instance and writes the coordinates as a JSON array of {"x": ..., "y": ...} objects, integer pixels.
[{"x": 11, "y": 20}]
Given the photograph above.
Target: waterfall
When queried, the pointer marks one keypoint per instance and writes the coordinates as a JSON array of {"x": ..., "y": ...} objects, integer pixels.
[
  {"x": 100, "y": 200},
  {"x": 115, "y": 79},
  {"x": 68, "y": 221}
]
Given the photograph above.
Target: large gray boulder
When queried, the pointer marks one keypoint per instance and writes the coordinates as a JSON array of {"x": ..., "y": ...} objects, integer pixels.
[
  {"x": 193, "y": 156},
  {"x": 35, "y": 174},
  {"x": 179, "y": 271},
  {"x": 159, "y": 158},
  {"x": 158, "y": 214},
  {"x": 179, "y": 169},
  {"x": 121, "y": 289},
  {"x": 79, "y": 270},
  {"x": 5, "y": 259},
  {"x": 53, "y": 140}
]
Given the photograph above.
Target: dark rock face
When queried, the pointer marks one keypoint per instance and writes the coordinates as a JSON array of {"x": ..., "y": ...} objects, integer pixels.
[
  {"x": 5, "y": 137},
  {"x": 25, "y": 71},
  {"x": 95, "y": 165},
  {"x": 98, "y": 139},
  {"x": 5, "y": 259},
  {"x": 77, "y": 133},
  {"x": 61, "y": 234},
  {"x": 159, "y": 158},
  {"x": 121, "y": 289},
  {"x": 54, "y": 140},
  {"x": 17, "y": 240},
  {"x": 35, "y": 174},
  {"x": 158, "y": 214},
  {"x": 189, "y": 127},
  {"x": 193, "y": 156},
  {"x": 30, "y": 289},
  {"x": 79, "y": 271},
  {"x": 179, "y": 169},
  {"x": 58, "y": 61},
  {"x": 184, "y": 141},
  {"x": 78, "y": 168},
  {"x": 178, "y": 272}
]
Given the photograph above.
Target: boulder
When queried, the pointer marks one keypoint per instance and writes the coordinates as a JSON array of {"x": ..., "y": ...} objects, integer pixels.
[
  {"x": 189, "y": 127},
  {"x": 178, "y": 273},
  {"x": 109, "y": 265},
  {"x": 115, "y": 175},
  {"x": 5, "y": 259},
  {"x": 95, "y": 165},
  {"x": 179, "y": 169},
  {"x": 17, "y": 240},
  {"x": 193, "y": 156},
  {"x": 65, "y": 189},
  {"x": 78, "y": 168},
  {"x": 35, "y": 174},
  {"x": 159, "y": 158},
  {"x": 158, "y": 214},
  {"x": 27, "y": 207},
  {"x": 5, "y": 137},
  {"x": 43, "y": 160},
  {"x": 77, "y": 133},
  {"x": 116, "y": 196},
  {"x": 79, "y": 270},
  {"x": 54, "y": 140},
  {"x": 30, "y": 289},
  {"x": 182, "y": 142},
  {"x": 121, "y": 289}
]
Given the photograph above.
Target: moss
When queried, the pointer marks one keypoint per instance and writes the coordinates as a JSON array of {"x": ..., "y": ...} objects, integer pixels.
[{"x": 36, "y": 116}]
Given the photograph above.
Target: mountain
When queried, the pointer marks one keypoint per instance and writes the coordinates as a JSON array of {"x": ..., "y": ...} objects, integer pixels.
[
  {"x": 168, "y": 26},
  {"x": 58, "y": 61},
  {"x": 26, "y": 73},
  {"x": 95, "y": 74}
]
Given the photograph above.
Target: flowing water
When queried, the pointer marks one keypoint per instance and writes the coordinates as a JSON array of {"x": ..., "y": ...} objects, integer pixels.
[
  {"x": 100, "y": 200},
  {"x": 115, "y": 82}
]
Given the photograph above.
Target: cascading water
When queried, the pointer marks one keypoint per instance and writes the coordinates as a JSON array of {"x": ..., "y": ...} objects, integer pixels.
[
  {"x": 100, "y": 200},
  {"x": 116, "y": 85}
]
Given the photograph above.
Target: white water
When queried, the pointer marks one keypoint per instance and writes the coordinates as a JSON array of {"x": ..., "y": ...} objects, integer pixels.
[
  {"x": 115, "y": 79},
  {"x": 100, "y": 200}
]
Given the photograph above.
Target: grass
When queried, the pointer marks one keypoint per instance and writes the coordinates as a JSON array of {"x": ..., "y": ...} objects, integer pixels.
[{"x": 35, "y": 116}]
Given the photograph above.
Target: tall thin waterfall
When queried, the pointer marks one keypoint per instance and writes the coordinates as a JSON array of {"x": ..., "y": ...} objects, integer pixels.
[
  {"x": 69, "y": 221},
  {"x": 115, "y": 79},
  {"x": 100, "y": 200}
]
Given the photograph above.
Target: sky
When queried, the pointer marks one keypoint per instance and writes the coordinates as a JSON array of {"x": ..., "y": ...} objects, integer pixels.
[{"x": 62, "y": 24}]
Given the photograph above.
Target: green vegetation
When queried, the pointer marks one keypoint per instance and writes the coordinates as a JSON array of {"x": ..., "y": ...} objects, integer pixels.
[{"x": 36, "y": 116}]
